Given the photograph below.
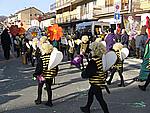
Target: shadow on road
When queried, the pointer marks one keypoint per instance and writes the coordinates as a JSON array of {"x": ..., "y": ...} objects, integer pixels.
[{"x": 121, "y": 100}]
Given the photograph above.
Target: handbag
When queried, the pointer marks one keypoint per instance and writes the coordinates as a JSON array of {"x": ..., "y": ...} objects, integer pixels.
[
  {"x": 40, "y": 78},
  {"x": 76, "y": 60}
]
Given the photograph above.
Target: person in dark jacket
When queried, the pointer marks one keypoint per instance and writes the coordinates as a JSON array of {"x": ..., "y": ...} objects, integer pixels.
[
  {"x": 97, "y": 78},
  {"x": 48, "y": 74},
  {"x": 6, "y": 43},
  {"x": 124, "y": 38}
]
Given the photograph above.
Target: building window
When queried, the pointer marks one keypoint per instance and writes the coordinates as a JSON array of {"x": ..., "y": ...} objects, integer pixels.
[
  {"x": 109, "y": 3},
  {"x": 95, "y": 2},
  {"x": 125, "y": 4},
  {"x": 58, "y": 3},
  {"x": 85, "y": 9}
]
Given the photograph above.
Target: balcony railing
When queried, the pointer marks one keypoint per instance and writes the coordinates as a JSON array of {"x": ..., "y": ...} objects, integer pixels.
[
  {"x": 65, "y": 19},
  {"x": 62, "y": 4},
  {"x": 144, "y": 5}
]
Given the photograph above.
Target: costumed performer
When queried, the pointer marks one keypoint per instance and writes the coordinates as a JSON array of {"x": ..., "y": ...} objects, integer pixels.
[
  {"x": 143, "y": 87},
  {"x": 118, "y": 66},
  {"x": 147, "y": 57},
  {"x": 98, "y": 78},
  {"x": 84, "y": 49},
  {"x": 144, "y": 72},
  {"x": 48, "y": 74},
  {"x": 71, "y": 48}
]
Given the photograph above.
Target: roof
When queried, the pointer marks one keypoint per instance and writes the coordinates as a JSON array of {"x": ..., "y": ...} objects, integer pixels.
[{"x": 28, "y": 9}]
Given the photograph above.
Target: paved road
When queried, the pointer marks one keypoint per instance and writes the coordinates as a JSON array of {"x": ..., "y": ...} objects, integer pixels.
[{"x": 18, "y": 91}]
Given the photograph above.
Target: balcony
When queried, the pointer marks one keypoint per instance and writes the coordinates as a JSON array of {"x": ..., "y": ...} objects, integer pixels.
[
  {"x": 145, "y": 5},
  {"x": 61, "y": 5},
  {"x": 136, "y": 6},
  {"x": 66, "y": 19},
  {"x": 81, "y": 1}
]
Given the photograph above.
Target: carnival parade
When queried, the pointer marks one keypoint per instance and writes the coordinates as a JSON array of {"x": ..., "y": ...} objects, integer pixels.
[{"x": 77, "y": 67}]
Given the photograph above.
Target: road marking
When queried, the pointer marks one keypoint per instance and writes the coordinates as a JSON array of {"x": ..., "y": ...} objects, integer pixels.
[{"x": 5, "y": 80}]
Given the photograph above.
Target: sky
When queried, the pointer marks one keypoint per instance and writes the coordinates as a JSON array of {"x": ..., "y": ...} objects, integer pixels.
[{"x": 8, "y": 7}]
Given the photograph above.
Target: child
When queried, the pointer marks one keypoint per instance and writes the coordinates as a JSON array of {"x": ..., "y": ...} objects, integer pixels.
[
  {"x": 96, "y": 80},
  {"x": 118, "y": 66},
  {"x": 48, "y": 75}
]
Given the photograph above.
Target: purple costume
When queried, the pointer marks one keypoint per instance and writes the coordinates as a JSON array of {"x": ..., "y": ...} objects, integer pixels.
[{"x": 110, "y": 41}]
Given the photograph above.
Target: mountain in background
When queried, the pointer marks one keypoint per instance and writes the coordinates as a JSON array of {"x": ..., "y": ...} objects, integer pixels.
[{"x": 2, "y": 18}]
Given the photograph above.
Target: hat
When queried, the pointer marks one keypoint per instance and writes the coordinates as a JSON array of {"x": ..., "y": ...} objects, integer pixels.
[
  {"x": 117, "y": 46},
  {"x": 46, "y": 48},
  {"x": 98, "y": 49},
  {"x": 85, "y": 38}
]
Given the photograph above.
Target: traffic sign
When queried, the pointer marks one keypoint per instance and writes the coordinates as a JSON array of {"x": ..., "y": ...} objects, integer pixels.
[
  {"x": 117, "y": 6},
  {"x": 117, "y": 16}
]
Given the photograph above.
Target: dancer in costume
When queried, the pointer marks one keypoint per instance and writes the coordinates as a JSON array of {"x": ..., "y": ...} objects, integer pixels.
[
  {"x": 71, "y": 48},
  {"x": 143, "y": 87},
  {"x": 48, "y": 74},
  {"x": 118, "y": 66},
  {"x": 84, "y": 49},
  {"x": 144, "y": 72},
  {"x": 147, "y": 57},
  {"x": 148, "y": 25},
  {"x": 97, "y": 79}
]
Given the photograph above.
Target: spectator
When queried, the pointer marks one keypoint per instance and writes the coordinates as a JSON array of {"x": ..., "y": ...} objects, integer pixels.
[
  {"x": 6, "y": 43},
  {"x": 110, "y": 39},
  {"x": 124, "y": 38}
]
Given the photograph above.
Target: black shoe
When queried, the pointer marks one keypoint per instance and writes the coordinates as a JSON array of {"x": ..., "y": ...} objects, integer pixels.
[
  {"x": 121, "y": 85},
  {"x": 32, "y": 64},
  {"x": 37, "y": 102},
  {"x": 85, "y": 109},
  {"x": 49, "y": 104},
  {"x": 142, "y": 88},
  {"x": 108, "y": 82}
]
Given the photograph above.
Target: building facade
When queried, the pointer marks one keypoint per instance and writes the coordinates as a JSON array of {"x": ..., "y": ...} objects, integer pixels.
[
  {"x": 69, "y": 12},
  {"x": 25, "y": 17}
]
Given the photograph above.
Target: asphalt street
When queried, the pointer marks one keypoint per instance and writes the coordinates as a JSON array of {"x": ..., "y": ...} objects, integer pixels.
[{"x": 18, "y": 91}]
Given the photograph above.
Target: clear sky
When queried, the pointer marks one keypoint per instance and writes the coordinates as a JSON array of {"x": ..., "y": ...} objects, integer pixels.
[{"x": 8, "y": 7}]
